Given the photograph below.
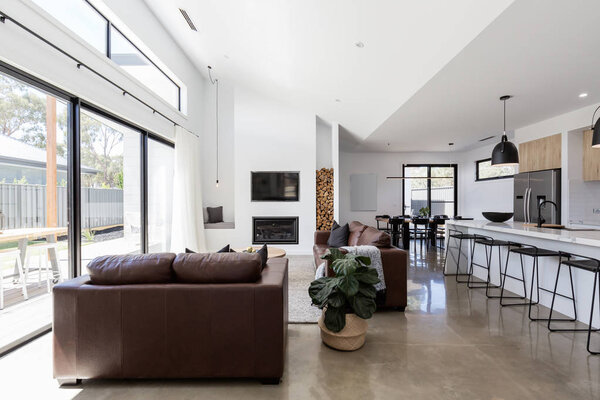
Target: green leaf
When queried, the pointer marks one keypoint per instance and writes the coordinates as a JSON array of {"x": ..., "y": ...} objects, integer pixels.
[
  {"x": 345, "y": 266},
  {"x": 363, "y": 307},
  {"x": 367, "y": 291},
  {"x": 333, "y": 254},
  {"x": 336, "y": 299},
  {"x": 367, "y": 275},
  {"x": 335, "y": 319},
  {"x": 348, "y": 285},
  {"x": 364, "y": 260},
  {"x": 320, "y": 290}
]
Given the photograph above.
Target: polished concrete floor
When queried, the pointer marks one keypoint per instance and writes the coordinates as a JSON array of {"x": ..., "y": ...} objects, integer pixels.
[{"x": 451, "y": 343}]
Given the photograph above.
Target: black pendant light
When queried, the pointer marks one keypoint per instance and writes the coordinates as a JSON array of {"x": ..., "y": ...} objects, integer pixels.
[
  {"x": 505, "y": 152},
  {"x": 596, "y": 128}
]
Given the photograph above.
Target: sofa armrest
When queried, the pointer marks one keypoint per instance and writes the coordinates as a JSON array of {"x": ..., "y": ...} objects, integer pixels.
[
  {"x": 321, "y": 237},
  {"x": 395, "y": 265},
  {"x": 64, "y": 330}
]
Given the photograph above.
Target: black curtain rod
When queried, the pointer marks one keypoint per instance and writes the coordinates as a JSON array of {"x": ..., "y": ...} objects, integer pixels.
[{"x": 4, "y": 17}]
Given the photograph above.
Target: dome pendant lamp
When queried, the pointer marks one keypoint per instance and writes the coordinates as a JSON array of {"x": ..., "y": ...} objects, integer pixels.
[{"x": 505, "y": 153}]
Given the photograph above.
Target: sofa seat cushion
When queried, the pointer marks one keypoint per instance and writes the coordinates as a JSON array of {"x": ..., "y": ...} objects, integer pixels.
[
  {"x": 374, "y": 237},
  {"x": 131, "y": 269},
  {"x": 217, "y": 268}
]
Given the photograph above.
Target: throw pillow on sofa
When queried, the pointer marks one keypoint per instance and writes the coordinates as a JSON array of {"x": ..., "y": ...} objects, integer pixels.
[
  {"x": 263, "y": 252},
  {"x": 131, "y": 269},
  {"x": 338, "y": 236},
  {"x": 217, "y": 268}
]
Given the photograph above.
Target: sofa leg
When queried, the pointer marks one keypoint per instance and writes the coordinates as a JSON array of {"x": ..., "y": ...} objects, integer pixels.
[
  {"x": 68, "y": 381},
  {"x": 270, "y": 381},
  {"x": 400, "y": 308}
]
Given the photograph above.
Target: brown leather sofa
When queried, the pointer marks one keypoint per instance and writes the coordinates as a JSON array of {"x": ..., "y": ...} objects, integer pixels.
[
  {"x": 167, "y": 316},
  {"x": 394, "y": 260}
]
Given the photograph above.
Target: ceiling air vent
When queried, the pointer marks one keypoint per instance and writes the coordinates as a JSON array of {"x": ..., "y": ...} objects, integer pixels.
[
  {"x": 487, "y": 138},
  {"x": 188, "y": 20}
]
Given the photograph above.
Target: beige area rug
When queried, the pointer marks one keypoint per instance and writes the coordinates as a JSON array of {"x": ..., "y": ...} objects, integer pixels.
[{"x": 301, "y": 274}]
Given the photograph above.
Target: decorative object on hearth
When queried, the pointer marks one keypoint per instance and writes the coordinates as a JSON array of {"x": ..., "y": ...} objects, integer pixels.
[
  {"x": 216, "y": 83},
  {"x": 347, "y": 300},
  {"x": 324, "y": 199},
  {"x": 505, "y": 152}
]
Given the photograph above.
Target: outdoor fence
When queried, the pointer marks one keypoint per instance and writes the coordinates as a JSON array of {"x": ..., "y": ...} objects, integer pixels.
[{"x": 24, "y": 206}]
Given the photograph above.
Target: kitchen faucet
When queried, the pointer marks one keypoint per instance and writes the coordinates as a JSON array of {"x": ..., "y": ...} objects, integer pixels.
[{"x": 541, "y": 220}]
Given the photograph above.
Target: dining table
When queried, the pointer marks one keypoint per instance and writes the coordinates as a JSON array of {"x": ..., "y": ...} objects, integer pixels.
[
  {"x": 401, "y": 228},
  {"x": 24, "y": 235}
]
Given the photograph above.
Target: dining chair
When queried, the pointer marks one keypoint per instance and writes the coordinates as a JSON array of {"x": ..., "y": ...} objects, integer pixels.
[{"x": 11, "y": 255}]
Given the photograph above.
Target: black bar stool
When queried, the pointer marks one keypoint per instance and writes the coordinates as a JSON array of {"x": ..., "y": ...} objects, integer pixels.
[
  {"x": 535, "y": 253},
  {"x": 489, "y": 243},
  {"x": 459, "y": 236},
  {"x": 586, "y": 264}
]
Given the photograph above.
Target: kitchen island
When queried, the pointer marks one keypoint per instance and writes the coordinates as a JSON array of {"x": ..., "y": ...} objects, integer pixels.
[{"x": 582, "y": 242}]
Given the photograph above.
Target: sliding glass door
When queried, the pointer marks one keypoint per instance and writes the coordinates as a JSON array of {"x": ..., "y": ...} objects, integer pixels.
[
  {"x": 161, "y": 158},
  {"x": 430, "y": 189},
  {"x": 76, "y": 182},
  {"x": 34, "y": 184},
  {"x": 110, "y": 188}
]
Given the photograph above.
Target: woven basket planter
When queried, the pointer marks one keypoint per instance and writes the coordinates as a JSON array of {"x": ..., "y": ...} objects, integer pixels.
[{"x": 351, "y": 338}]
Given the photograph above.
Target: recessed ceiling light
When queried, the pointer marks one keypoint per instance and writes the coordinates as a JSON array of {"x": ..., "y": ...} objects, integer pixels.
[
  {"x": 226, "y": 56},
  {"x": 360, "y": 45},
  {"x": 338, "y": 101},
  {"x": 582, "y": 95}
]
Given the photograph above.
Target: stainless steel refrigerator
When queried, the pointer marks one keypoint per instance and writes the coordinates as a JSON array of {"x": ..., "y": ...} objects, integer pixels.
[{"x": 531, "y": 188}]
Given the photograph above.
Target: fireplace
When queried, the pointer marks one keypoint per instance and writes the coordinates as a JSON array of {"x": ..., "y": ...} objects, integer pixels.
[{"x": 275, "y": 230}]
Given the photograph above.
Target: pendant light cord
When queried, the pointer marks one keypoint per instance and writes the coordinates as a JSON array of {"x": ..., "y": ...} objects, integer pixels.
[
  {"x": 504, "y": 101},
  {"x": 216, "y": 82}
]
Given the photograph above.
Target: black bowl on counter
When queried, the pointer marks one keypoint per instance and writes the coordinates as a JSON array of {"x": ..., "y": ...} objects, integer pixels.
[{"x": 497, "y": 216}]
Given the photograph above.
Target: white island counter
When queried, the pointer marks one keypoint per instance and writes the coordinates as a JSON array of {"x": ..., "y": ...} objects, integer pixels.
[{"x": 582, "y": 242}]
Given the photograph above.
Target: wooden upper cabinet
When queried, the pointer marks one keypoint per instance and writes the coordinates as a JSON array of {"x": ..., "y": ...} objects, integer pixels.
[
  {"x": 540, "y": 154},
  {"x": 591, "y": 158}
]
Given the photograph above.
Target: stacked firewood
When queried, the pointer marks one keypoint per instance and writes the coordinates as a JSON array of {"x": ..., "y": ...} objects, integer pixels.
[{"x": 324, "y": 198}]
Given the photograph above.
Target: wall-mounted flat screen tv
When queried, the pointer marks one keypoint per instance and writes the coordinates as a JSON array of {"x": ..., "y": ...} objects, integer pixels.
[{"x": 275, "y": 186}]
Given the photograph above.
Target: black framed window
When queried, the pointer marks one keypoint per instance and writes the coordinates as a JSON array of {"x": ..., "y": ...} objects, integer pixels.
[
  {"x": 56, "y": 150},
  {"x": 485, "y": 171},
  {"x": 430, "y": 187},
  {"x": 94, "y": 28}
]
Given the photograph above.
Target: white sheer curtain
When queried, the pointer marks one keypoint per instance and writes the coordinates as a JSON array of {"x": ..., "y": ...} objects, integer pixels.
[{"x": 188, "y": 217}]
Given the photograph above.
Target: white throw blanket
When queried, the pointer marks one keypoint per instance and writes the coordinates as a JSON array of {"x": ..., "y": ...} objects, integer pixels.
[{"x": 369, "y": 251}]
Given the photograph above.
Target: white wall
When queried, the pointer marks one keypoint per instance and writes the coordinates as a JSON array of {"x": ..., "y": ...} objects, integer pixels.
[
  {"x": 476, "y": 197},
  {"x": 270, "y": 136},
  {"x": 324, "y": 144},
  {"x": 389, "y": 191},
  {"x": 223, "y": 195}
]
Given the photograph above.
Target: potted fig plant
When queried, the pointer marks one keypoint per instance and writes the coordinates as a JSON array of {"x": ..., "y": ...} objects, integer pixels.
[{"x": 347, "y": 300}]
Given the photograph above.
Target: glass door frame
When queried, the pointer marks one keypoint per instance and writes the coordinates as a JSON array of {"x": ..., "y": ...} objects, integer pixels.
[
  {"x": 428, "y": 177},
  {"x": 74, "y": 107}
]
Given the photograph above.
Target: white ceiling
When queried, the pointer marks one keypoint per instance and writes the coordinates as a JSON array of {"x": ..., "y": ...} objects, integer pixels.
[
  {"x": 544, "y": 53},
  {"x": 430, "y": 72},
  {"x": 303, "y": 51}
]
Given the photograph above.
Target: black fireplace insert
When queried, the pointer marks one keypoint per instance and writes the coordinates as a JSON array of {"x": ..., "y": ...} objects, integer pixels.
[{"x": 275, "y": 230}]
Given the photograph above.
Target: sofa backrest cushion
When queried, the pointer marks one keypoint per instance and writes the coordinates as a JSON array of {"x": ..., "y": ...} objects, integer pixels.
[
  {"x": 131, "y": 269},
  {"x": 217, "y": 268},
  {"x": 374, "y": 237},
  {"x": 356, "y": 229}
]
